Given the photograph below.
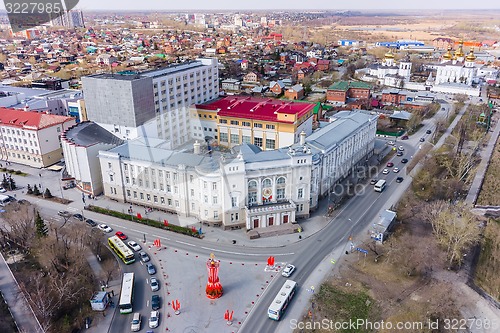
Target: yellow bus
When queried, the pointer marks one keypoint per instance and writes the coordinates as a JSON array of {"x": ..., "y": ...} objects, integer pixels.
[{"x": 121, "y": 250}]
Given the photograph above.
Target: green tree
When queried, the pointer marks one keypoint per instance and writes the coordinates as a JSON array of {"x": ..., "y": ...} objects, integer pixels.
[
  {"x": 36, "y": 191},
  {"x": 47, "y": 193},
  {"x": 41, "y": 227}
]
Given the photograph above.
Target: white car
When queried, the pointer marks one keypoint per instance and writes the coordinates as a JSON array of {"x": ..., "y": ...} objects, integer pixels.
[
  {"x": 104, "y": 227},
  {"x": 135, "y": 325},
  {"x": 288, "y": 270},
  {"x": 153, "y": 282},
  {"x": 2, "y": 190},
  {"x": 401, "y": 148},
  {"x": 391, "y": 143},
  {"x": 385, "y": 171},
  {"x": 134, "y": 246},
  {"x": 396, "y": 170},
  {"x": 154, "y": 320}
]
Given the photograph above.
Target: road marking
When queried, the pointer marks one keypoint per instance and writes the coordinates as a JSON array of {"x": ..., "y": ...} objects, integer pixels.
[
  {"x": 185, "y": 243},
  {"x": 165, "y": 238},
  {"x": 245, "y": 254},
  {"x": 123, "y": 227},
  {"x": 141, "y": 232}
]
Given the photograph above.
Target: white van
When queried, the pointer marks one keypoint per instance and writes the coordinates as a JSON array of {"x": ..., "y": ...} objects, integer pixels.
[{"x": 380, "y": 186}]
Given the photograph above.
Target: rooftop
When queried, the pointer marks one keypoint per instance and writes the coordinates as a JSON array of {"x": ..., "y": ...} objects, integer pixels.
[
  {"x": 29, "y": 119},
  {"x": 345, "y": 85},
  {"x": 265, "y": 109},
  {"x": 87, "y": 134}
]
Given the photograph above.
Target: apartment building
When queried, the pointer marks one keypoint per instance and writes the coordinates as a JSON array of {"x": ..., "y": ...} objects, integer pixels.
[
  {"x": 152, "y": 103},
  {"x": 264, "y": 122},
  {"x": 32, "y": 138}
]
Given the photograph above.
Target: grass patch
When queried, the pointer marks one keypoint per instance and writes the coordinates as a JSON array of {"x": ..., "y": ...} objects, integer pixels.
[
  {"x": 14, "y": 172},
  {"x": 488, "y": 268},
  {"x": 152, "y": 223}
]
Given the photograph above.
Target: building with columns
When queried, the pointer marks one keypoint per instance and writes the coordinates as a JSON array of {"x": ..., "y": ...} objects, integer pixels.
[{"x": 247, "y": 187}]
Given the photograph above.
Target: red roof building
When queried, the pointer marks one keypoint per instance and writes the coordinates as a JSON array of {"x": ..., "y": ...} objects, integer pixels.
[
  {"x": 31, "y": 138},
  {"x": 264, "y": 122}
]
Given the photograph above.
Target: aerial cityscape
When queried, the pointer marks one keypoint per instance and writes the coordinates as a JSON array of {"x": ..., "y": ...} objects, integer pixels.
[{"x": 259, "y": 167}]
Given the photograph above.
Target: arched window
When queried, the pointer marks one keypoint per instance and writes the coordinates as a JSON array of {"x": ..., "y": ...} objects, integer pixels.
[
  {"x": 267, "y": 183},
  {"x": 281, "y": 181},
  {"x": 252, "y": 184}
]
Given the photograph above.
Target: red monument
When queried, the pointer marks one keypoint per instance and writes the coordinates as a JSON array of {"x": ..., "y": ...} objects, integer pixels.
[{"x": 214, "y": 288}]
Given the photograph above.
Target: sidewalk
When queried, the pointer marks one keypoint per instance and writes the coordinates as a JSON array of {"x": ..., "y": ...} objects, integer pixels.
[{"x": 24, "y": 316}]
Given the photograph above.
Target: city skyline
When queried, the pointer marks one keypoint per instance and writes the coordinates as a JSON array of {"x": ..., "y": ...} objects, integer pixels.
[{"x": 284, "y": 5}]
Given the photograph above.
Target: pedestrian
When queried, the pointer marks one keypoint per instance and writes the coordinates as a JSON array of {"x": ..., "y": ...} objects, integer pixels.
[{"x": 112, "y": 292}]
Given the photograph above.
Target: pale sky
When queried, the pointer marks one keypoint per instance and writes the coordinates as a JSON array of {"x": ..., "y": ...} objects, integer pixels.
[{"x": 282, "y": 4}]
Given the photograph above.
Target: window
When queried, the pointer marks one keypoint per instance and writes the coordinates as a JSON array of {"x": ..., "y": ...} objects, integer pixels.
[
  {"x": 252, "y": 197},
  {"x": 192, "y": 206},
  {"x": 128, "y": 193},
  {"x": 235, "y": 138},
  {"x": 176, "y": 189},
  {"x": 216, "y": 215},
  {"x": 141, "y": 195},
  {"x": 246, "y": 139},
  {"x": 252, "y": 184},
  {"x": 270, "y": 143},
  {"x": 235, "y": 122},
  {"x": 235, "y": 217},
  {"x": 191, "y": 178},
  {"x": 192, "y": 192},
  {"x": 169, "y": 201},
  {"x": 280, "y": 193},
  {"x": 168, "y": 188},
  {"x": 109, "y": 164},
  {"x": 245, "y": 123},
  {"x": 267, "y": 183},
  {"x": 234, "y": 202},
  {"x": 205, "y": 199},
  {"x": 135, "y": 194},
  {"x": 110, "y": 177},
  {"x": 269, "y": 126},
  {"x": 223, "y": 137},
  {"x": 281, "y": 180},
  {"x": 214, "y": 200},
  {"x": 257, "y": 142},
  {"x": 127, "y": 180},
  {"x": 162, "y": 200},
  {"x": 148, "y": 197},
  {"x": 214, "y": 186},
  {"x": 155, "y": 199},
  {"x": 257, "y": 125},
  {"x": 222, "y": 121},
  {"x": 300, "y": 193},
  {"x": 205, "y": 185}
]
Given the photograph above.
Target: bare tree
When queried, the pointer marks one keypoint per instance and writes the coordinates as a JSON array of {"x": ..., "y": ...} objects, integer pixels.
[{"x": 109, "y": 267}]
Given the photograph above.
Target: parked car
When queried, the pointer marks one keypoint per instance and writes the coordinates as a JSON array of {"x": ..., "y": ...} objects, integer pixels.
[
  {"x": 385, "y": 171},
  {"x": 404, "y": 160},
  {"x": 134, "y": 246},
  {"x": 390, "y": 165},
  {"x": 288, "y": 270},
  {"x": 144, "y": 256},
  {"x": 422, "y": 139},
  {"x": 428, "y": 131},
  {"x": 154, "y": 319},
  {"x": 104, "y": 227},
  {"x": 135, "y": 325},
  {"x": 64, "y": 213},
  {"x": 155, "y": 302},
  {"x": 121, "y": 235},
  {"x": 78, "y": 217},
  {"x": 399, "y": 180},
  {"x": 2, "y": 190},
  {"x": 373, "y": 181},
  {"x": 396, "y": 170},
  {"x": 153, "y": 282},
  {"x": 151, "y": 269},
  {"x": 68, "y": 186},
  {"x": 90, "y": 222}
]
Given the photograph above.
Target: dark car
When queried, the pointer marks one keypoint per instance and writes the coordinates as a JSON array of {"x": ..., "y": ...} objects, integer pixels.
[
  {"x": 91, "y": 222},
  {"x": 404, "y": 137},
  {"x": 404, "y": 160},
  {"x": 155, "y": 302},
  {"x": 78, "y": 216},
  {"x": 399, "y": 180},
  {"x": 428, "y": 131},
  {"x": 390, "y": 164},
  {"x": 400, "y": 153},
  {"x": 422, "y": 139}
]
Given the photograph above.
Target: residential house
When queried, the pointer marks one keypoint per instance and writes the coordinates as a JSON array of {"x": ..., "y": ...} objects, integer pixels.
[
  {"x": 342, "y": 90},
  {"x": 251, "y": 77},
  {"x": 295, "y": 92},
  {"x": 106, "y": 59},
  {"x": 277, "y": 87}
]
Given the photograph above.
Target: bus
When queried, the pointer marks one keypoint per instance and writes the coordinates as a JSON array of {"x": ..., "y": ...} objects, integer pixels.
[
  {"x": 127, "y": 294},
  {"x": 280, "y": 302},
  {"x": 380, "y": 186},
  {"x": 121, "y": 250}
]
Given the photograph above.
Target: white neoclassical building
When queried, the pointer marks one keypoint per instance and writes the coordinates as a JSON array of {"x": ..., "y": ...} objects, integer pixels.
[
  {"x": 388, "y": 72},
  {"x": 247, "y": 188}
]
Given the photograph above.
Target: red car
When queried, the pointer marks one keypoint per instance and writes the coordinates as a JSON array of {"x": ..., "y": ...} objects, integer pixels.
[
  {"x": 121, "y": 235},
  {"x": 390, "y": 164}
]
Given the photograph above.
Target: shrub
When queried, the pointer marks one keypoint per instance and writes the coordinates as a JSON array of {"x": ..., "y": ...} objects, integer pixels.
[{"x": 152, "y": 223}]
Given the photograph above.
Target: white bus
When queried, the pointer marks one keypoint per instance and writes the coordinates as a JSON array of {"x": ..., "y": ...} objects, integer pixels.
[
  {"x": 121, "y": 250},
  {"x": 380, "y": 186},
  {"x": 127, "y": 294},
  {"x": 280, "y": 302}
]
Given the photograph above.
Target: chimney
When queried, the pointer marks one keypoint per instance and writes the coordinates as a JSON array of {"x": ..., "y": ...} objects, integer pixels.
[
  {"x": 197, "y": 148},
  {"x": 302, "y": 138}
]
